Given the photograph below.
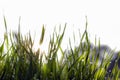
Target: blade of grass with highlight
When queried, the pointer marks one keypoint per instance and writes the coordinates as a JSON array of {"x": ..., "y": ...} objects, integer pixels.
[
  {"x": 5, "y": 23},
  {"x": 42, "y": 35}
]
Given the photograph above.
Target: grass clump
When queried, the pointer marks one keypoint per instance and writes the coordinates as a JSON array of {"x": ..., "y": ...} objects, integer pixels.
[{"x": 18, "y": 60}]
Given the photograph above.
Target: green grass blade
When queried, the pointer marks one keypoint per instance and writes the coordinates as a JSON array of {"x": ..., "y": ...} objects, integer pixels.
[{"x": 42, "y": 35}]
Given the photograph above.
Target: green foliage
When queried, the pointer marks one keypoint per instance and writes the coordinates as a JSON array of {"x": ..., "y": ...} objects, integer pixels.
[{"x": 21, "y": 62}]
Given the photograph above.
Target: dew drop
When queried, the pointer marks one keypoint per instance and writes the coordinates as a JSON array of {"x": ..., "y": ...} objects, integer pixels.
[
  {"x": 82, "y": 60},
  {"x": 109, "y": 71}
]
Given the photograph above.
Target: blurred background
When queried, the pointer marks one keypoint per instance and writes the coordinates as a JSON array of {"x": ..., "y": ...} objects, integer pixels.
[{"x": 103, "y": 17}]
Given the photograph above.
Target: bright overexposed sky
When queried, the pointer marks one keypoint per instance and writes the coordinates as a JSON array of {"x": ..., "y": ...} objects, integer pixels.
[{"x": 103, "y": 18}]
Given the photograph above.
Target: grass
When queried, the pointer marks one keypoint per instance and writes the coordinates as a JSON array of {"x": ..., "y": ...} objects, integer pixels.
[{"x": 18, "y": 60}]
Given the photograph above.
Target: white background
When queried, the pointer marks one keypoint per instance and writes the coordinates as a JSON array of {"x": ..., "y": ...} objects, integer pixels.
[{"x": 103, "y": 18}]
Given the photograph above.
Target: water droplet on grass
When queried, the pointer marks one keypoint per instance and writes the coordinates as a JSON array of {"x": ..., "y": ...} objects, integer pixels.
[
  {"x": 109, "y": 71},
  {"x": 82, "y": 60}
]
